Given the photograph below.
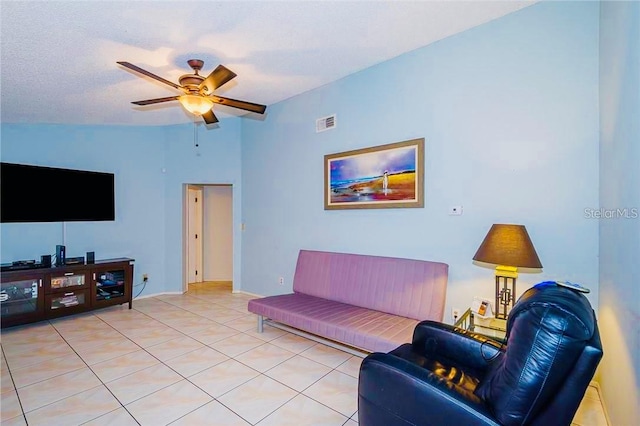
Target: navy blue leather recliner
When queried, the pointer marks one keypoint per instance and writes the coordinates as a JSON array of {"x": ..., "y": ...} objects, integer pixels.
[{"x": 449, "y": 376}]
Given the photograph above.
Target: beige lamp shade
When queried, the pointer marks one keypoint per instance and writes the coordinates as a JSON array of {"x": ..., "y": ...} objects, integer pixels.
[
  {"x": 197, "y": 105},
  {"x": 508, "y": 245}
]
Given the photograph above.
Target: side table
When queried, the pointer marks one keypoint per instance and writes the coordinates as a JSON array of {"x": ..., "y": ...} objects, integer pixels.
[{"x": 491, "y": 327}]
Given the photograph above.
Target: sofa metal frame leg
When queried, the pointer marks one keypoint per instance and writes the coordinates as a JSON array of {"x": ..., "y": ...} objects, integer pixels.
[{"x": 260, "y": 323}]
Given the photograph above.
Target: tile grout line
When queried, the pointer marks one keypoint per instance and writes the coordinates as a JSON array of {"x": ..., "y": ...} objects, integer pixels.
[
  {"x": 15, "y": 389},
  {"x": 94, "y": 373},
  {"x": 263, "y": 342},
  {"x": 263, "y": 374}
]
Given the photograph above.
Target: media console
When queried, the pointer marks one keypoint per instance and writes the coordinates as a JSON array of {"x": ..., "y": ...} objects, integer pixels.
[{"x": 30, "y": 295}]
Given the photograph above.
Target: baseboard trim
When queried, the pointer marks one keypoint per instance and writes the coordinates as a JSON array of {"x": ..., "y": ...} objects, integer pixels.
[
  {"x": 596, "y": 385},
  {"x": 246, "y": 292},
  {"x": 158, "y": 294},
  {"x": 182, "y": 292}
]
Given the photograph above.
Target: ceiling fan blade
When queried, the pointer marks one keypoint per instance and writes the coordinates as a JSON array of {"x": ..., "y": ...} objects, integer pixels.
[
  {"x": 210, "y": 117},
  {"x": 217, "y": 78},
  {"x": 148, "y": 74},
  {"x": 249, "y": 106},
  {"x": 156, "y": 101}
]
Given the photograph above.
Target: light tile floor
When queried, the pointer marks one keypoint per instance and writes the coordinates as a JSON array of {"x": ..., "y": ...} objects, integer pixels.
[{"x": 192, "y": 359}]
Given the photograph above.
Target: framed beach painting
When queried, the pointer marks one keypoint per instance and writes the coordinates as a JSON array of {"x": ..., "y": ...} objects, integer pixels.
[{"x": 380, "y": 177}]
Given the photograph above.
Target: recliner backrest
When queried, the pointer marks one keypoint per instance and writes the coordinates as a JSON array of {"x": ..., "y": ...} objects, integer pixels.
[
  {"x": 548, "y": 331},
  {"x": 564, "y": 404}
]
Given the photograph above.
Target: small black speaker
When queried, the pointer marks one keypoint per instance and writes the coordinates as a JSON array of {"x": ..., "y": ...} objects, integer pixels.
[
  {"x": 91, "y": 257},
  {"x": 60, "y": 255},
  {"x": 45, "y": 260}
]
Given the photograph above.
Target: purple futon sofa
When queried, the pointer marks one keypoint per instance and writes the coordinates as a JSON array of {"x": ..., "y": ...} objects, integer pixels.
[{"x": 371, "y": 303}]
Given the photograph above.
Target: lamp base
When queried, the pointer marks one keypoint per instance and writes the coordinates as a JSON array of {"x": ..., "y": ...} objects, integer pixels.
[{"x": 505, "y": 290}]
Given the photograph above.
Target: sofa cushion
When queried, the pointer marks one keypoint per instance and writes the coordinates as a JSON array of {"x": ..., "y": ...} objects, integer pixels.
[
  {"x": 406, "y": 287},
  {"x": 353, "y": 325}
]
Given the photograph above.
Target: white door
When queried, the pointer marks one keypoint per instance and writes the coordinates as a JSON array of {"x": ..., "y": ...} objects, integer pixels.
[
  {"x": 218, "y": 232},
  {"x": 194, "y": 234}
]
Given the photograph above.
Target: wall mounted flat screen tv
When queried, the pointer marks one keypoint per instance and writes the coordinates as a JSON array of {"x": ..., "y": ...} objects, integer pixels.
[{"x": 45, "y": 194}]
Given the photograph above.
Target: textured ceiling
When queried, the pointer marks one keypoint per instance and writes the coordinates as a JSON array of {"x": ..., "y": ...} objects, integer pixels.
[{"x": 58, "y": 59}]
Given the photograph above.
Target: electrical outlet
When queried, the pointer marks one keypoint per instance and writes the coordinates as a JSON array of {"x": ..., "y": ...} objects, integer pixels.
[
  {"x": 145, "y": 277},
  {"x": 281, "y": 281},
  {"x": 455, "y": 313}
]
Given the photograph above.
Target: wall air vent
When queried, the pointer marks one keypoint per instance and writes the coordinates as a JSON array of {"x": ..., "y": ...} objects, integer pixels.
[{"x": 325, "y": 123}]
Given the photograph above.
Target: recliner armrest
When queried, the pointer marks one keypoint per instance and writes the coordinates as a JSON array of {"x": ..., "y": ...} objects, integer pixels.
[
  {"x": 456, "y": 344},
  {"x": 393, "y": 391}
]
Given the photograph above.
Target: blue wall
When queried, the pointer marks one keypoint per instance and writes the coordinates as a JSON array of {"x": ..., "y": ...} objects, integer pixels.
[
  {"x": 219, "y": 162},
  {"x": 619, "y": 188},
  {"x": 509, "y": 112},
  {"x": 151, "y": 164}
]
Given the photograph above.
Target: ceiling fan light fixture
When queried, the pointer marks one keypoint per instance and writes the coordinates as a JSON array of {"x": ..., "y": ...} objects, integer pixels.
[{"x": 195, "y": 104}]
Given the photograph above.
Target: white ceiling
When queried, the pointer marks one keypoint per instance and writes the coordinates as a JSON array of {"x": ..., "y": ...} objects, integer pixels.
[{"x": 58, "y": 58}]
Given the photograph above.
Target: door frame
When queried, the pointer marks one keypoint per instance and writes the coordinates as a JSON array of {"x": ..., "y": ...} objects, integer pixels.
[
  {"x": 195, "y": 225},
  {"x": 236, "y": 236}
]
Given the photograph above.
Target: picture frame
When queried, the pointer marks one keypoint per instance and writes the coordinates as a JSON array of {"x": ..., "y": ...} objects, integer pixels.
[{"x": 379, "y": 177}]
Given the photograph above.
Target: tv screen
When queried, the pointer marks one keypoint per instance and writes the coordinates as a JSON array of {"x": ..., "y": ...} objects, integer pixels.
[{"x": 46, "y": 194}]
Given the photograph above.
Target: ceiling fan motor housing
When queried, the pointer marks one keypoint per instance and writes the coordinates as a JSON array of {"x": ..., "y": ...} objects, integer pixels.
[{"x": 191, "y": 82}]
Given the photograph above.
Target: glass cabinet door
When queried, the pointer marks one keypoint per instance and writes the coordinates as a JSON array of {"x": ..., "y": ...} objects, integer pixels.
[
  {"x": 59, "y": 304},
  {"x": 21, "y": 297},
  {"x": 67, "y": 300},
  {"x": 110, "y": 284},
  {"x": 64, "y": 281}
]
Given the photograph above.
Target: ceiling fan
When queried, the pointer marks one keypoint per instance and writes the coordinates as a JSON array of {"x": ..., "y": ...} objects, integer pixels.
[{"x": 198, "y": 97}]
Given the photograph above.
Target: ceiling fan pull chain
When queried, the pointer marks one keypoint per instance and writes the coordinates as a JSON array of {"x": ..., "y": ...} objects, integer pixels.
[{"x": 195, "y": 133}]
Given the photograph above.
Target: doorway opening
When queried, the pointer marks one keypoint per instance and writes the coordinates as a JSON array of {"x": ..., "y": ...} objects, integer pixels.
[{"x": 208, "y": 238}]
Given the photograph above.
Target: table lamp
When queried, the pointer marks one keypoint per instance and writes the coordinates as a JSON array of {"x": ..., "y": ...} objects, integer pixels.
[{"x": 509, "y": 248}]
